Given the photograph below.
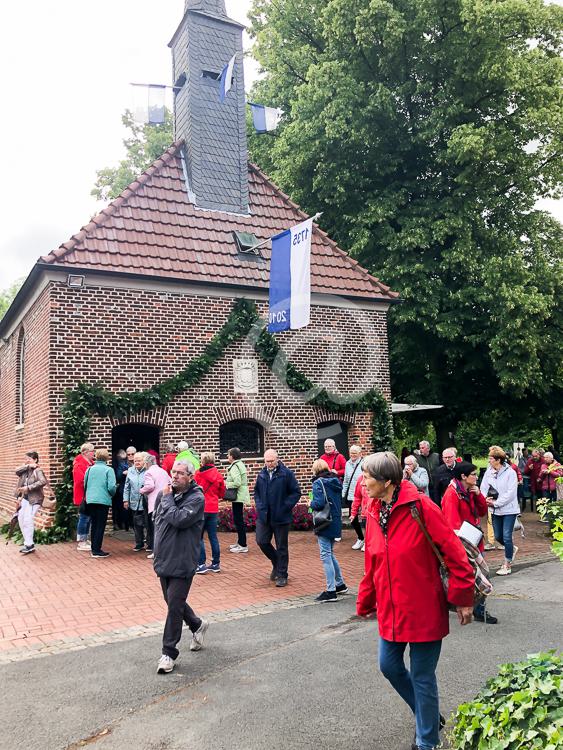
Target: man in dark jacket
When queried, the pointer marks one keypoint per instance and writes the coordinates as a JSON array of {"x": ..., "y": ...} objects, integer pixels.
[
  {"x": 275, "y": 493},
  {"x": 443, "y": 474},
  {"x": 178, "y": 520},
  {"x": 429, "y": 461}
]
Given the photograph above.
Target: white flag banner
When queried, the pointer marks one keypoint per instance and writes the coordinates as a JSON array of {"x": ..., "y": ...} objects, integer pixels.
[{"x": 290, "y": 278}]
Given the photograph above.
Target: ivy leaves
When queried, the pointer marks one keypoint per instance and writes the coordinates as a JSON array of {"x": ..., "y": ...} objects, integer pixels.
[{"x": 520, "y": 708}]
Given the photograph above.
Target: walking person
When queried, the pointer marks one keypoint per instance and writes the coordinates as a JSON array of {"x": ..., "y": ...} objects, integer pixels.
[
  {"x": 178, "y": 520},
  {"x": 213, "y": 486},
  {"x": 276, "y": 492},
  {"x": 463, "y": 501},
  {"x": 443, "y": 474},
  {"x": 500, "y": 487},
  {"x": 353, "y": 473},
  {"x": 30, "y": 496},
  {"x": 327, "y": 488},
  {"x": 134, "y": 500},
  {"x": 100, "y": 486},
  {"x": 237, "y": 492},
  {"x": 155, "y": 480},
  {"x": 402, "y": 584},
  {"x": 336, "y": 461},
  {"x": 80, "y": 465},
  {"x": 430, "y": 461},
  {"x": 358, "y": 511}
]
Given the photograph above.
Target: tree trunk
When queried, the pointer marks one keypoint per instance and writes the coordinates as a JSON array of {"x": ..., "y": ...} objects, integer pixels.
[
  {"x": 445, "y": 429},
  {"x": 555, "y": 438}
]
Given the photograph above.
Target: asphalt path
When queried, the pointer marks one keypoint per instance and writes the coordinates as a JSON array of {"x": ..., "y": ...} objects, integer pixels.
[{"x": 299, "y": 678}]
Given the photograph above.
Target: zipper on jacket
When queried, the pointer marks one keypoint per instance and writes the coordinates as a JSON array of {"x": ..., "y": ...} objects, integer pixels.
[{"x": 390, "y": 587}]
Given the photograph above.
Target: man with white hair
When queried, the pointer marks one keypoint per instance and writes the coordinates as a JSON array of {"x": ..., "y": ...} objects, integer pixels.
[
  {"x": 275, "y": 493},
  {"x": 428, "y": 460},
  {"x": 187, "y": 453},
  {"x": 178, "y": 521},
  {"x": 443, "y": 476}
]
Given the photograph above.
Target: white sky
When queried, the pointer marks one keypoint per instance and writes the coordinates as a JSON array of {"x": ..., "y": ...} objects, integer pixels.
[{"x": 66, "y": 68}]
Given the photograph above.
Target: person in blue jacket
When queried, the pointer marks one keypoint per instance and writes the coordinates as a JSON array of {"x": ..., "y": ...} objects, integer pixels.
[
  {"x": 276, "y": 492},
  {"x": 327, "y": 488}
]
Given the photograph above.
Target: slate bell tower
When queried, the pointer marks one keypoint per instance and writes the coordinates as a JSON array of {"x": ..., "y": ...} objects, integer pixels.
[{"x": 214, "y": 132}]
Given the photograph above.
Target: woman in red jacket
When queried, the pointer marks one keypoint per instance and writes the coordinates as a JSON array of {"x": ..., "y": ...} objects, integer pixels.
[
  {"x": 402, "y": 584},
  {"x": 463, "y": 501},
  {"x": 213, "y": 486}
]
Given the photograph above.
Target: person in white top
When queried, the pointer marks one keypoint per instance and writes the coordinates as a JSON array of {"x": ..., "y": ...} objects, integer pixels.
[{"x": 500, "y": 487}]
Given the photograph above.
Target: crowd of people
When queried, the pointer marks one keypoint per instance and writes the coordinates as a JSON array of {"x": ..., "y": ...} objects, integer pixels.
[{"x": 408, "y": 517}]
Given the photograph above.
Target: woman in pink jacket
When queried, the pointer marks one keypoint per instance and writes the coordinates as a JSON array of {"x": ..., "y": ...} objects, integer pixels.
[{"x": 156, "y": 480}]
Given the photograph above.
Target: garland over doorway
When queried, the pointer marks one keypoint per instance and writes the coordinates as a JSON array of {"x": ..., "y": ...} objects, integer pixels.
[{"x": 87, "y": 400}]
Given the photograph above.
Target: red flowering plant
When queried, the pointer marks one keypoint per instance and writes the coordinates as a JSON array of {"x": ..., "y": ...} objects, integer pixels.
[{"x": 302, "y": 518}]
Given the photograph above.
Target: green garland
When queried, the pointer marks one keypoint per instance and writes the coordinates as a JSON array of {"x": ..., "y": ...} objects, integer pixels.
[{"x": 86, "y": 400}]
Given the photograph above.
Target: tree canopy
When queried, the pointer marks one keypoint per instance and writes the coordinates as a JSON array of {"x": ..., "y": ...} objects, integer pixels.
[
  {"x": 7, "y": 296},
  {"x": 426, "y": 130},
  {"x": 143, "y": 146}
]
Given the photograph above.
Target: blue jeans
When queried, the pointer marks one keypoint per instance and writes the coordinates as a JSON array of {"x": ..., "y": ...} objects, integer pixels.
[
  {"x": 210, "y": 525},
  {"x": 82, "y": 527},
  {"x": 503, "y": 526},
  {"x": 330, "y": 563},
  {"x": 418, "y": 688}
]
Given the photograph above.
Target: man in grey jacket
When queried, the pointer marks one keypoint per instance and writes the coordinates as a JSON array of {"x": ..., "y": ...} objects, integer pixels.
[{"x": 178, "y": 520}]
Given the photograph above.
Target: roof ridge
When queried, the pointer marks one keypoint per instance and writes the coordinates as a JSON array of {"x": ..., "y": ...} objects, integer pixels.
[
  {"x": 108, "y": 211},
  {"x": 352, "y": 261}
]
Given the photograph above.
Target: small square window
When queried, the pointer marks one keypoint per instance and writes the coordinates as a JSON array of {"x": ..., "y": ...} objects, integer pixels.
[{"x": 246, "y": 243}]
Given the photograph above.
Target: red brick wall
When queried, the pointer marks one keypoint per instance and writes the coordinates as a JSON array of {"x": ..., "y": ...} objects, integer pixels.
[
  {"x": 130, "y": 339},
  {"x": 34, "y": 433}
]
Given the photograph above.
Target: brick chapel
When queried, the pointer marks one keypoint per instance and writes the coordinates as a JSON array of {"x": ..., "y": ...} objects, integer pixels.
[{"x": 129, "y": 300}]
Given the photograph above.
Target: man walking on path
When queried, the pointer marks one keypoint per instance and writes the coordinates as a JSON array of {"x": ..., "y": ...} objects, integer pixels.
[
  {"x": 276, "y": 492},
  {"x": 178, "y": 520},
  {"x": 429, "y": 461}
]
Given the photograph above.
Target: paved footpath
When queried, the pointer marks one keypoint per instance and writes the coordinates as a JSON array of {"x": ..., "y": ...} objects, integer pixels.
[{"x": 58, "y": 599}]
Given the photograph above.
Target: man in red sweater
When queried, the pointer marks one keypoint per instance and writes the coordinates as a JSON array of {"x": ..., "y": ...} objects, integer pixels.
[{"x": 335, "y": 460}]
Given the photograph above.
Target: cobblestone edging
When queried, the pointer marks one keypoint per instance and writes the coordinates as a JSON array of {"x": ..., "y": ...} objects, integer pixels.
[{"x": 66, "y": 645}]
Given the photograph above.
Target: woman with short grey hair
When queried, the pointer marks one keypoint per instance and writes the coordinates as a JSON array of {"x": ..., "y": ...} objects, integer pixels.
[
  {"x": 416, "y": 474},
  {"x": 402, "y": 584}
]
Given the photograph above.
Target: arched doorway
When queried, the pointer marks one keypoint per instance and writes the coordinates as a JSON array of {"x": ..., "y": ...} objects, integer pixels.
[
  {"x": 338, "y": 431},
  {"x": 143, "y": 436}
]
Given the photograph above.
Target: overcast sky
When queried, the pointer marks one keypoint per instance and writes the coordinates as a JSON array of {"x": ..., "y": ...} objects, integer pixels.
[{"x": 66, "y": 69}]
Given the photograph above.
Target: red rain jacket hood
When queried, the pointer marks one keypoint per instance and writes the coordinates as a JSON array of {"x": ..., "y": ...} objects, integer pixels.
[
  {"x": 402, "y": 579},
  {"x": 213, "y": 486}
]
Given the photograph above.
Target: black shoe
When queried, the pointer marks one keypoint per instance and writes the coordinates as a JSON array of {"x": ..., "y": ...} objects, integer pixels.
[
  {"x": 327, "y": 596},
  {"x": 486, "y": 618},
  {"x": 281, "y": 582},
  {"x": 342, "y": 589},
  {"x": 414, "y": 746},
  {"x": 27, "y": 550},
  {"x": 139, "y": 548},
  {"x": 273, "y": 575},
  {"x": 101, "y": 553}
]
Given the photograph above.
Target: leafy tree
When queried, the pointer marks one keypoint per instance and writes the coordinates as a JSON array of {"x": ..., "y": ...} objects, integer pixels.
[
  {"x": 7, "y": 296},
  {"x": 426, "y": 130},
  {"x": 144, "y": 145}
]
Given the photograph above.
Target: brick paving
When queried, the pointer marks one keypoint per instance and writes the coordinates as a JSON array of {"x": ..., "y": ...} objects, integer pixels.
[{"x": 59, "y": 599}]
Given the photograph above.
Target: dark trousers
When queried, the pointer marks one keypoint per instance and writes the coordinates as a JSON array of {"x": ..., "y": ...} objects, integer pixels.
[
  {"x": 357, "y": 526},
  {"x": 278, "y": 555},
  {"x": 175, "y": 591},
  {"x": 150, "y": 529},
  {"x": 238, "y": 519},
  {"x": 118, "y": 511},
  {"x": 98, "y": 516},
  {"x": 139, "y": 527}
]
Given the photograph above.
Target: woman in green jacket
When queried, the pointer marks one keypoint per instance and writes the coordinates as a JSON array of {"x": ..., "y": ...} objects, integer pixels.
[
  {"x": 100, "y": 486},
  {"x": 237, "y": 480}
]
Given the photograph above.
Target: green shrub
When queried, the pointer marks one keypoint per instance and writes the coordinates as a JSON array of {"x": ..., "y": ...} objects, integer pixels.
[{"x": 520, "y": 709}]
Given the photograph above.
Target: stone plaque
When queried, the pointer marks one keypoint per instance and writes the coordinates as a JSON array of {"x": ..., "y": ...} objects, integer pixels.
[{"x": 245, "y": 375}]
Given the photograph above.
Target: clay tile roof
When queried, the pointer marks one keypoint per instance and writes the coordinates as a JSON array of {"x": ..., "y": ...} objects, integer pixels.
[{"x": 152, "y": 229}]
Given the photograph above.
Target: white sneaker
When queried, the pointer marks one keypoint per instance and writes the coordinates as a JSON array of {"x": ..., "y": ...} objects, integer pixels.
[
  {"x": 151, "y": 556},
  {"x": 84, "y": 547},
  {"x": 165, "y": 664},
  {"x": 514, "y": 551},
  {"x": 338, "y": 539},
  {"x": 197, "y": 637},
  {"x": 357, "y": 544},
  {"x": 232, "y": 546},
  {"x": 237, "y": 549},
  {"x": 504, "y": 570}
]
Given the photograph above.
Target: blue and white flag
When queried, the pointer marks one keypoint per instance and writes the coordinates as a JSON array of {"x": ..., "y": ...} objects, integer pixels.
[
  {"x": 290, "y": 278},
  {"x": 265, "y": 119},
  {"x": 226, "y": 78}
]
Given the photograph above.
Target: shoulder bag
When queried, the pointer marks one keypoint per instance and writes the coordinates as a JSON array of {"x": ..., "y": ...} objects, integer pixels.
[
  {"x": 231, "y": 493},
  {"x": 322, "y": 518}
]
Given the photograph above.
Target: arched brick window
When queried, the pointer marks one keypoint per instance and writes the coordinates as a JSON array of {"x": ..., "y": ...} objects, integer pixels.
[
  {"x": 20, "y": 378},
  {"x": 244, "y": 434}
]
